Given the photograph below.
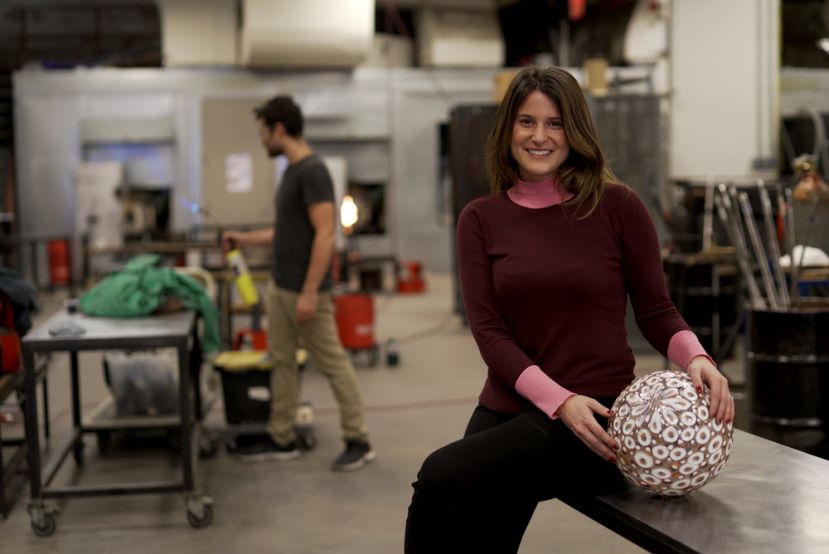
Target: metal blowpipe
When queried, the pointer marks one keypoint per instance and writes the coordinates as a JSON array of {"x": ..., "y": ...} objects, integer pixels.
[
  {"x": 794, "y": 271},
  {"x": 759, "y": 250},
  {"x": 738, "y": 217},
  {"x": 774, "y": 249},
  {"x": 733, "y": 225},
  {"x": 742, "y": 260}
]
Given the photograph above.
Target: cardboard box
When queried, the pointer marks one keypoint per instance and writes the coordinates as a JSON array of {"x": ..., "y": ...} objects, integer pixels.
[
  {"x": 502, "y": 82},
  {"x": 595, "y": 71}
]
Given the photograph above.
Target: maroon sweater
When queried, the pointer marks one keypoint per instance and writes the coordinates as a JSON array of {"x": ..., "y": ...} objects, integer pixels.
[{"x": 543, "y": 287}]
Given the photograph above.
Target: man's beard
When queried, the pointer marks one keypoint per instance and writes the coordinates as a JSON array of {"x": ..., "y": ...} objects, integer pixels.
[{"x": 274, "y": 151}]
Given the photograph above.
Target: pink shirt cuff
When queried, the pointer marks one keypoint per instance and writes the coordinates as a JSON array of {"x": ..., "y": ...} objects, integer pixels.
[
  {"x": 684, "y": 347},
  {"x": 537, "y": 387}
]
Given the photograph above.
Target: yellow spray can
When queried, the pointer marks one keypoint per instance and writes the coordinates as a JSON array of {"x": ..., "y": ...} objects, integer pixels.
[{"x": 244, "y": 281}]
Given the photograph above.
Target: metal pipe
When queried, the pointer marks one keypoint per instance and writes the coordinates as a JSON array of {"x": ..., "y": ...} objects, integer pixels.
[
  {"x": 759, "y": 250},
  {"x": 731, "y": 203},
  {"x": 809, "y": 225},
  {"x": 794, "y": 292},
  {"x": 723, "y": 204},
  {"x": 774, "y": 248},
  {"x": 708, "y": 218},
  {"x": 781, "y": 214}
]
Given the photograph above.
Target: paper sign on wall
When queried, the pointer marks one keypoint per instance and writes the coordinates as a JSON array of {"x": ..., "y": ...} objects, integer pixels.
[{"x": 239, "y": 172}]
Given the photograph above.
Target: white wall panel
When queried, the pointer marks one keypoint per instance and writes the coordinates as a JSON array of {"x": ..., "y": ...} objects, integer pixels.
[
  {"x": 724, "y": 65},
  {"x": 423, "y": 100},
  {"x": 48, "y": 148}
]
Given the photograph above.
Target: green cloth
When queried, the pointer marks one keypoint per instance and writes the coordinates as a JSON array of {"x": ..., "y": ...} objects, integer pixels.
[{"x": 142, "y": 286}]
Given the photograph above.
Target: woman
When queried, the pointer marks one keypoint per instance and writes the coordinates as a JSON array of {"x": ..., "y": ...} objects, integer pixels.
[{"x": 547, "y": 263}]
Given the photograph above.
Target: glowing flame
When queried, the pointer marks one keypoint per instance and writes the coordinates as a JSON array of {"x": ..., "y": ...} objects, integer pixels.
[{"x": 348, "y": 213}]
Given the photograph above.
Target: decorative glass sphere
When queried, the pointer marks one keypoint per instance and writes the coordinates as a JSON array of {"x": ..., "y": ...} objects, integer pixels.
[{"x": 668, "y": 443}]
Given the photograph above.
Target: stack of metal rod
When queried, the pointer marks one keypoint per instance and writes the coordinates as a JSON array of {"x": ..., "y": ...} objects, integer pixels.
[{"x": 737, "y": 216}]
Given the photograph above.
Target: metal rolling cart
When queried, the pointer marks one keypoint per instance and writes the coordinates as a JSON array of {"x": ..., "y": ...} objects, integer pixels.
[
  {"x": 706, "y": 289},
  {"x": 12, "y": 383},
  {"x": 176, "y": 330}
]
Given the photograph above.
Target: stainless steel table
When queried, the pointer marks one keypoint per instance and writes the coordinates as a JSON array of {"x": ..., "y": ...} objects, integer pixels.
[
  {"x": 769, "y": 498},
  {"x": 177, "y": 330}
]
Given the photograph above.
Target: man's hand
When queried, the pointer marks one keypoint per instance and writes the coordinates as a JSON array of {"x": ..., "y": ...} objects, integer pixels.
[
  {"x": 577, "y": 413},
  {"x": 702, "y": 371},
  {"x": 306, "y": 306},
  {"x": 231, "y": 240}
]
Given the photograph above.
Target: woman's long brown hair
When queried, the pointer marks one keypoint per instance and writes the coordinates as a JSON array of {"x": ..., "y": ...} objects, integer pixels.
[{"x": 585, "y": 172}]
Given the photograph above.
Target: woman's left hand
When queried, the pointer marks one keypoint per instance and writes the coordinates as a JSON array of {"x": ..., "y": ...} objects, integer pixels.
[{"x": 702, "y": 371}]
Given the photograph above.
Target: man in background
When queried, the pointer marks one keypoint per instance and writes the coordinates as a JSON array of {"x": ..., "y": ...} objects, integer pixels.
[{"x": 298, "y": 302}]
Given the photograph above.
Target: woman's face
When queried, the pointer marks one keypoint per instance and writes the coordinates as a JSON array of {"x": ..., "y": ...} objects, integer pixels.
[{"x": 539, "y": 143}]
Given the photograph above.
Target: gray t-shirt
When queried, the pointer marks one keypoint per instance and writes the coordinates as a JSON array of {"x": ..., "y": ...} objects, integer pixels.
[{"x": 304, "y": 183}]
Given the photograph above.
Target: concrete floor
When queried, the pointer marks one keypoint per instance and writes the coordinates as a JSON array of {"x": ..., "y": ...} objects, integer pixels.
[{"x": 301, "y": 506}]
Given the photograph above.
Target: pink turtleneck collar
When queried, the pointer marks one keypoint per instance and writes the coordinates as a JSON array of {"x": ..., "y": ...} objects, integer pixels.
[{"x": 538, "y": 194}]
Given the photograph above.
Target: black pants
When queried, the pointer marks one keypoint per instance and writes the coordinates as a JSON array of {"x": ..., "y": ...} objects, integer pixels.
[{"x": 478, "y": 494}]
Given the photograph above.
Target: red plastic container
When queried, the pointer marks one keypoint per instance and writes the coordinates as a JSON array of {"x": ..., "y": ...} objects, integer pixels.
[
  {"x": 355, "y": 320},
  {"x": 257, "y": 339},
  {"x": 9, "y": 339},
  {"x": 58, "y": 261},
  {"x": 409, "y": 277}
]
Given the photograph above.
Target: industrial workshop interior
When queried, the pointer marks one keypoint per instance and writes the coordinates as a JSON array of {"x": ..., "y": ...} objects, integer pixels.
[{"x": 252, "y": 299}]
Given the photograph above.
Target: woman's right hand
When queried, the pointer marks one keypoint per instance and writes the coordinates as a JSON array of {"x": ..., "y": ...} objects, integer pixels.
[{"x": 577, "y": 413}]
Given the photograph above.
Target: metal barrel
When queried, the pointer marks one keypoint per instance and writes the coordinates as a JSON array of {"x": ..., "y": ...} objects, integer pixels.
[{"x": 788, "y": 370}]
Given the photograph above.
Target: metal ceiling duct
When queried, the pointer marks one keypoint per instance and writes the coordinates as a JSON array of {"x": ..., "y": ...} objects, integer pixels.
[{"x": 311, "y": 33}]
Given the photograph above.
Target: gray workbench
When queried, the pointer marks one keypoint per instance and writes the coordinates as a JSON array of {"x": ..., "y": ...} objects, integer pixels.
[
  {"x": 176, "y": 330},
  {"x": 769, "y": 498},
  {"x": 105, "y": 329}
]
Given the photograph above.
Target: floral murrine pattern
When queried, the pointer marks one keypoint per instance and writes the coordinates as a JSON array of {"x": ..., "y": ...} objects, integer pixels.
[{"x": 668, "y": 443}]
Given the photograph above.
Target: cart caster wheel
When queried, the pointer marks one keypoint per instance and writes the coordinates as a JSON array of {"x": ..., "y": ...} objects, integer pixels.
[
  {"x": 200, "y": 517},
  {"x": 43, "y": 521},
  {"x": 208, "y": 448},
  {"x": 307, "y": 440},
  {"x": 78, "y": 453}
]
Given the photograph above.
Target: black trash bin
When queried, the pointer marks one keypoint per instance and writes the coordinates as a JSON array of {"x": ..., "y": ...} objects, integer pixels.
[{"x": 788, "y": 373}]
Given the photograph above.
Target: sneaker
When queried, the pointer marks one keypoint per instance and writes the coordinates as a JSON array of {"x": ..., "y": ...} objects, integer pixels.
[
  {"x": 268, "y": 449},
  {"x": 356, "y": 455},
  {"x": 245, "y": 442}
]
